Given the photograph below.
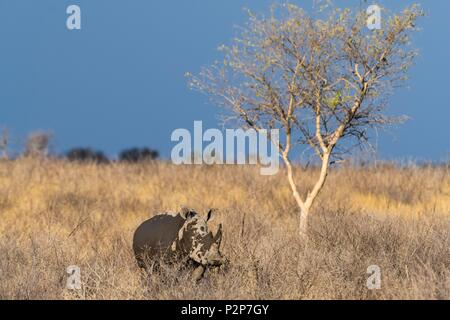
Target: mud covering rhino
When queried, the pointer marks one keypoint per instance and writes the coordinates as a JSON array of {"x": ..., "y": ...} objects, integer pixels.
[{"x": 182, "y": 236}]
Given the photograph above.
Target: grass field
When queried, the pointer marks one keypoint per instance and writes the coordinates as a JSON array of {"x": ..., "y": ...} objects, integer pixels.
[{"x": 55, "y": 214}]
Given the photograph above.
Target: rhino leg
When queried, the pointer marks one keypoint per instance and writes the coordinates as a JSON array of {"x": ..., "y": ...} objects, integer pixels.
[{"x": 197, "y": 275}]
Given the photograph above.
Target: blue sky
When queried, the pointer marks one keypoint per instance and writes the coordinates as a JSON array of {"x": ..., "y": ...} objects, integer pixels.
[{"x": 119, "y": 82}]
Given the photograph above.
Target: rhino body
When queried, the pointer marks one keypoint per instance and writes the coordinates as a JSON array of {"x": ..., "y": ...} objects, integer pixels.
[
  {"x": 180, "y": 236},
  {"x": 153, "y": 239}
]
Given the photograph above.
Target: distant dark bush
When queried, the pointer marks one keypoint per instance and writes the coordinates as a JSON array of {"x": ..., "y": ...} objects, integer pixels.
[
  {"x": 136, "y": 155},
  {"x": 87, "y": 155}
]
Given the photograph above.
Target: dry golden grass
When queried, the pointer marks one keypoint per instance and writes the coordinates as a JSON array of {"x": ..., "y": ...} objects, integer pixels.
[{"x": 55, "y": 214}]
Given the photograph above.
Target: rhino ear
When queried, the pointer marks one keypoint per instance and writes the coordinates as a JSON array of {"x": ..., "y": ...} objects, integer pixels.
[
  {"x": 210, "y": 214},
  {"x": 218, "y": 237},
  {"x": 187, "y": 213}
]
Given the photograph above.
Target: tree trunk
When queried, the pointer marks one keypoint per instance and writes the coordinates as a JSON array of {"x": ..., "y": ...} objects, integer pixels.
[
  {"x": 306, "y": 205},
  {"x": 303, "y": 226}
]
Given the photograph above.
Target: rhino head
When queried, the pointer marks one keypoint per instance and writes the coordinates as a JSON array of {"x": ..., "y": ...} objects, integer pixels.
[{"x": 200, "y": 244}]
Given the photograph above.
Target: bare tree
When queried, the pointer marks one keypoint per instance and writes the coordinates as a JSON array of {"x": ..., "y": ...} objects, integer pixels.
[
  {"x": 4, "y": 141},
  {"x": 322, "y": 80},
  {"x": 37, "y": 144}
]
